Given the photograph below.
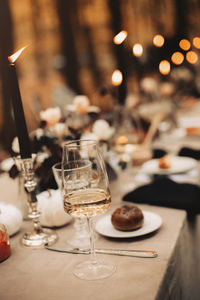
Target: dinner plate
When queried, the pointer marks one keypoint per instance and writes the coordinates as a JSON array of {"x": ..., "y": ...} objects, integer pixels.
[
  {"x": 152, "y": 222},
  {"x": 178, "y": 165}
]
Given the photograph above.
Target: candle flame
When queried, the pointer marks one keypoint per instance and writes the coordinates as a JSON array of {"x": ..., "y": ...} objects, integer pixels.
[{"x": 12, "y": 58}]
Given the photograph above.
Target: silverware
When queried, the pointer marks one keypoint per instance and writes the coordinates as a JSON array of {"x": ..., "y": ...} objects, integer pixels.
[{"x": 132, "y": 253}]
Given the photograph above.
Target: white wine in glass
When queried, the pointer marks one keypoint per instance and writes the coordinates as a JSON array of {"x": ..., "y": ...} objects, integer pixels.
[
  {"x": 86, "y": 194},
  {"x": 79, "y": 237}
]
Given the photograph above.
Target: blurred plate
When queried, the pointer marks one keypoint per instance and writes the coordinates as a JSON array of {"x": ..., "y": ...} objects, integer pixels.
[
  {"x": 178, "y": 165},
  {"x": 6, "y": 164},
  {"x": 152, "y": 222}
]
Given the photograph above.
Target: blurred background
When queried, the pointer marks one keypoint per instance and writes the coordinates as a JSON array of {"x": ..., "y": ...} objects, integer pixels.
[{"x": 133, "y": 50}]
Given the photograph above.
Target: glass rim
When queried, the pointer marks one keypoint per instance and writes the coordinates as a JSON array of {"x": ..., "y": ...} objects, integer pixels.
[
  {"x": 77, "y": 168},
  {"x": 56, "y": 164},
  {"x": 73, "y": 143}
]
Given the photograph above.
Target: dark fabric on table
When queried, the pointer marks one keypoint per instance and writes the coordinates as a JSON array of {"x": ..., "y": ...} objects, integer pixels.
[
  {"x": 165, "y": 192},
  {"x": 189, "y": 152},
  {"x": 158, "y": 153}
]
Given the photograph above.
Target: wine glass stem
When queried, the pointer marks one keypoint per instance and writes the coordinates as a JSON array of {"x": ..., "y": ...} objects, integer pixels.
[{"x": 91, "y": 236}]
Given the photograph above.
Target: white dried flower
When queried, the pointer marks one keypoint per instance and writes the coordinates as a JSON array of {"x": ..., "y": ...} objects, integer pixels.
[
  {"x": 167, "y": 88},
  {"x": 149, "y": 85},
  {"x": 81, "y": 104},
  {"x": 89, "y": 136},
  {"x": 15, "y": 145},
  {"x": 51, "y": 116},
  {"x": 39, "y": 132},
  {"x": 102, "y": 129},
  {"x": 59, "y": 129}
]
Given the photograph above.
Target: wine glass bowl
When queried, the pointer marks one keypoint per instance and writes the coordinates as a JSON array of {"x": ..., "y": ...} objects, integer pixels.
[
  {"x": 86, "y": 194},
  {"x": 80, "y": 235}
]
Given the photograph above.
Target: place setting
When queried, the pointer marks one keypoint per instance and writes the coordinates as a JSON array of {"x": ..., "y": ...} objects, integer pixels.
[{"x": 100, "y": 150}]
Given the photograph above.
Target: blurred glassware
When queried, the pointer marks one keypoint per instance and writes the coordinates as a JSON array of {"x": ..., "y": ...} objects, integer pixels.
[
  {"x": 128, "y": 129},
  {"x": 77, "y": 122},
  {"x": 86, "y": 194}
]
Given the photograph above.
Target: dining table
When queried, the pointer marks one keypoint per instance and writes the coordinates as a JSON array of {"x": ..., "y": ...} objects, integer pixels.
[{"x": 37, "y": 273}]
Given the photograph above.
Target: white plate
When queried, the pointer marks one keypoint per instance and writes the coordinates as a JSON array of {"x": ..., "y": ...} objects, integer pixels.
[
  {"x": 178, "y": 165},
  {"x": 152, "y": 222}
]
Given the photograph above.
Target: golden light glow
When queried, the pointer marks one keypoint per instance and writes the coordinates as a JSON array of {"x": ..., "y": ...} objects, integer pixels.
[
  {"x": 137, "y": 50},
  {"x": 164, "y": 67},
  {"x": 191, "y": 57},
  {"x": 117, "y": 78},
  {"x": 12, "y": 58},
  {"x": 196, "y": 42},
  {"x": 158, "y": 40},
  {"x": 120, "y": 37},
  {"x": 177, "y": 58},
  {"x": 184, "y": 44}
]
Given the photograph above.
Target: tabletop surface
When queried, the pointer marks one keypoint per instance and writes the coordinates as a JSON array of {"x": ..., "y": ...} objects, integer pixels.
[{"x": 43, "y": 274}]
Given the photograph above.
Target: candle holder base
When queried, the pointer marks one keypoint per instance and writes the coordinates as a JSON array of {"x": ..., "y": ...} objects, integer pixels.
[
  {"x": 39, "y": 236},
  {"x": 46, "y": 236}
]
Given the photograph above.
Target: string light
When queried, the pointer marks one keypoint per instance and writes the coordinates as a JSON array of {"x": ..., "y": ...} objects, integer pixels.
[
  {"x": 191, "y": 57},
  {"x": 196, "y": 42},
  {"x": 117, "y": 77},
  {"x": 120, "y": 37},
  {"x": 158, "y": 40},
  {"x": 137, "y": 50},
  {"x": 184, "y": 44},
  {"x": 177, "y": 58},
  {"x": 164, "y": 67}
]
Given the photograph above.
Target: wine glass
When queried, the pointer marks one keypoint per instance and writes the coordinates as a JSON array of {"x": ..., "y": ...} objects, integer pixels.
[
  {"x": 80, "y": 236},
  {"x": 86, "y": 194}
]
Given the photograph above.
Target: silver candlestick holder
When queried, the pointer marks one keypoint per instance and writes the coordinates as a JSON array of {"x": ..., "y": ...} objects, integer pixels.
[{"x": 39, "y": 236}]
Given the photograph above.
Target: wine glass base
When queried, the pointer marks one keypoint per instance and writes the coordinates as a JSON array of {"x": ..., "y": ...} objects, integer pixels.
[
  {"x": 31, "y": 239},
  {"x": 94, "y": 271}
]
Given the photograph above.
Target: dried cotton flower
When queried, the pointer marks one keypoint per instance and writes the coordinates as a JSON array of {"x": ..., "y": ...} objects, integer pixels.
[{"x": 51, "y": 116}]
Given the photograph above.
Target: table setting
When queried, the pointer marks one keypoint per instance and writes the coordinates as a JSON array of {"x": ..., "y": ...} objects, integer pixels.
[{"x": 75, "y": 171}]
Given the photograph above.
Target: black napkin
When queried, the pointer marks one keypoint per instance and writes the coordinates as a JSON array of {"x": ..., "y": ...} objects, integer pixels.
[
  {"x": 189, "y": 152},
  {"x": 165, "y": 192},
  {"x": 158, "y": 153}
]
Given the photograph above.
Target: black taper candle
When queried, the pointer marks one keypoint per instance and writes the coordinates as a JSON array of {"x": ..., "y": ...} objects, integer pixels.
[{"x": 20, "y": 121}]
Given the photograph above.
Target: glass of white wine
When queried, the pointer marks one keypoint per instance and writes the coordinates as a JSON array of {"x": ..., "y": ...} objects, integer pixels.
[
  {"x": 79, "y": 237},
  {"x": 86, "y": 194}
]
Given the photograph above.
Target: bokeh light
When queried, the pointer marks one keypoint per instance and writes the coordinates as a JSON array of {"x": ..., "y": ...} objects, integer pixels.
[
  {"x": 177, "y": 58},
  {"x": 164, "y": 67},
  {"x": 191, "y": 57},
  {"x": 117, "y": 77},
  {"x": 137, "y": 50},
  {"x": 120, "y": 37},
  {"x": 184, "y": 44},
  {"x": 158, "y": 40},
  {"x": 196, "y": 42}
]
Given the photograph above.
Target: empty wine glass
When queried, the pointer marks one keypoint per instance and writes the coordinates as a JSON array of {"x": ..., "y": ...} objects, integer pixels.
[
  {"x": 80, "y": 235},
  {"x": 86, "y": 194}
]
